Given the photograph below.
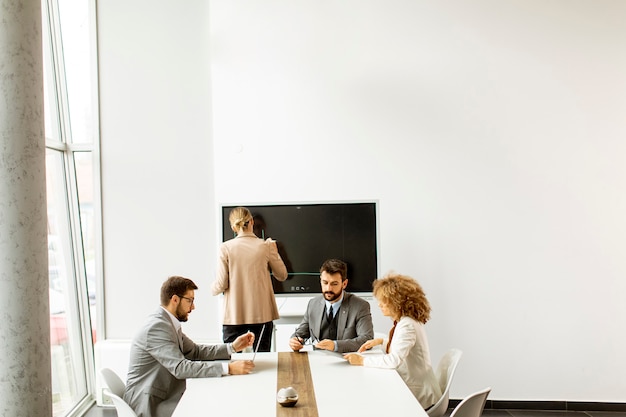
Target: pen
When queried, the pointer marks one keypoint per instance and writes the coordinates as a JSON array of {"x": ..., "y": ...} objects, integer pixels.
[{"x": 258, "y": 344}]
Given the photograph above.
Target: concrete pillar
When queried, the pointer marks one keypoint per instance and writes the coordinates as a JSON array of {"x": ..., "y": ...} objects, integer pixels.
[{"x": 25, "y": 381}]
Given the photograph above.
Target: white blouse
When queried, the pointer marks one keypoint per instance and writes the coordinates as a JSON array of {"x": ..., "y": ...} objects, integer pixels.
[{"x": 410, "y": 357}]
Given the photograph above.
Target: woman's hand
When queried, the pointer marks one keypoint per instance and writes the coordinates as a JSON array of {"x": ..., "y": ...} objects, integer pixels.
[
  {"x": 370, "y": 344},
  {"x": 354, "y": 359}
]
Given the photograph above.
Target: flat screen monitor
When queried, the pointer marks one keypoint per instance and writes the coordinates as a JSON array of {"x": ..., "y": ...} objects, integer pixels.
[{"x": 308, "y": 234}]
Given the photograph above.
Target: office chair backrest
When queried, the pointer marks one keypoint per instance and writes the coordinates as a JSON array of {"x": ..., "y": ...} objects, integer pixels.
[
  {"x": 445, "y": 372},
  {"x": 115, "y": 384},
  {"x": 472, "y": 405},
  {"x": 122, "y": 408}
]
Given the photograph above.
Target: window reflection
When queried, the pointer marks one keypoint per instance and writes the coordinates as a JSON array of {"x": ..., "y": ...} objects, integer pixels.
[
  {"x": 83, "y": 163},
  {"x": 76, "y": 39},
  {"x": 68, "y": 374}
]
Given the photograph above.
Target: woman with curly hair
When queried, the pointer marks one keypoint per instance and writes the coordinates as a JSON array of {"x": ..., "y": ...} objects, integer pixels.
[{"x": 402, "y": 299}]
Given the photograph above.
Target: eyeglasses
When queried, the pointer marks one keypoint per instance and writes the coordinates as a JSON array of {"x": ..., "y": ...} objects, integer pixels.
[{"x": 188, "y": 299}]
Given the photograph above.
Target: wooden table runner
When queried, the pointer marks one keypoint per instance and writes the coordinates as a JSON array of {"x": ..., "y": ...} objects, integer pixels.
[{"x": 294, "y": 371}]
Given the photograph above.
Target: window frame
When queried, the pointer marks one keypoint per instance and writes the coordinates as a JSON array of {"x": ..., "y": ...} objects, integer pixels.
[{"x": 57, "y": 104}]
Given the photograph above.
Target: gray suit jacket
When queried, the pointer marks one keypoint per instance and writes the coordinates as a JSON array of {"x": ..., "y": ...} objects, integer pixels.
[
  {"x": 354, "y": 322},
  {"x": 160, "y": 362}
]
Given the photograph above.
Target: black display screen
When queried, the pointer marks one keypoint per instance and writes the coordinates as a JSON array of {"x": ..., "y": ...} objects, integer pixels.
[{"x": 308, "y": 234}]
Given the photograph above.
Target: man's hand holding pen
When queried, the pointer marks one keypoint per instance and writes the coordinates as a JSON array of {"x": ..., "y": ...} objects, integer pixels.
[
  {"x": 296, "y": 343},
  {"x": 242, "y": 367}
]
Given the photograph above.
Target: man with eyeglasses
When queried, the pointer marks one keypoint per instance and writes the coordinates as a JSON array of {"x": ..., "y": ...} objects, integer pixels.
[{"x": 162, "y": 357}]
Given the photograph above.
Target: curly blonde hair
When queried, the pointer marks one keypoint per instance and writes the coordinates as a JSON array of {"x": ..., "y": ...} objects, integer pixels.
[{"x": 403, "y": 295}]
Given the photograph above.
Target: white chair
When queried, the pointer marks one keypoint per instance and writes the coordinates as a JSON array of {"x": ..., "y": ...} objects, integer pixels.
[
  {"x": 472, "y": 405},
  {"x": 115, "y": 391},
  {"x": 113, "y": 381},
  {"x": 445, "y": 372}
]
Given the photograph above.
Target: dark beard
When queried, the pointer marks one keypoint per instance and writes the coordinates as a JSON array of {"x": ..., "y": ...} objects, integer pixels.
[
  {"x": 181, "y": 316},
  {"x": 334, "y": 296}
]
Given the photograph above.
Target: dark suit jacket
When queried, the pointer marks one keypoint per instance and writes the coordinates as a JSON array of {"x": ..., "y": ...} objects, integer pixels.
[
  {"x": 160, "y": 362},
  {"x": 354, "y": 322}
]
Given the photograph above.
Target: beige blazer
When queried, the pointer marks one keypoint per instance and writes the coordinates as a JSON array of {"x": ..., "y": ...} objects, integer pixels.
[
  {"x": 410, "y": 356},
  {"x": 243, "y": 276}
]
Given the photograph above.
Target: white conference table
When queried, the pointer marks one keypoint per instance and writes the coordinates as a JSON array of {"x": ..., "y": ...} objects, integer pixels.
[{"x": 340, "y": 389}]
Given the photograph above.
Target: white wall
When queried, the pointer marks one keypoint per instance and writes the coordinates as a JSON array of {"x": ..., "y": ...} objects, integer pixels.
[
  {"x": 157, "y": 174},
  {"x": 490, "y": 132}
]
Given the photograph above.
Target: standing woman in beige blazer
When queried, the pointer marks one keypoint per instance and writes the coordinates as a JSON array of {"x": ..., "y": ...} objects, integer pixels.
[
  {"x": 243, "y": 276},
  {"x": 406, "y": 349}
]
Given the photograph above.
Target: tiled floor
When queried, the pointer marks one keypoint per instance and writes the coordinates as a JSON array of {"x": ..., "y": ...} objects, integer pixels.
[
  {"x": 96, "y": 411},
  {"x": 551, "y": 413},
  {"x": 109, "y": 412}
]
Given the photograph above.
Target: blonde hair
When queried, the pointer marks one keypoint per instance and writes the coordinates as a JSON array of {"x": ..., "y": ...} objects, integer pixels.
[
  {"x": 239, "y": 218},
  {"x": 403, "y": 295}
]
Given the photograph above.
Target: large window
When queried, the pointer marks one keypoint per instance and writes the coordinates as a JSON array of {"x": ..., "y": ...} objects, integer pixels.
[{"x": 72, "y": 175}]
